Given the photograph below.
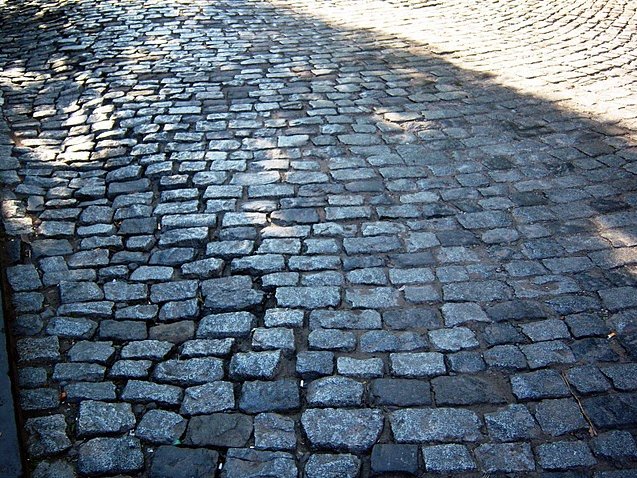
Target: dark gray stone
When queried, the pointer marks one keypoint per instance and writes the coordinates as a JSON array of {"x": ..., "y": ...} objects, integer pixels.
[
  {"x": 447, "y": 459},
  {"x": 230, "y": 294},
  {"x": 612, "y": 411},
  {"x": 335, "y": 392},
  {"x": 161, "y": 427},
  {"x": 339, "y": 429},
  {"x": 417, "y": 365},
  {"x": 47, "y": 435},
  {"x": 557, "y": 417},
  {"x": 564, "y": 455},
  {"x": 171, "y": 461},
  {"x": 391, "y": 458},
  {"x": 468, "y": 390},
  {"x": 400, "y": 392},
  {"x": 538, "y": 385},
  {"x": 439, "y": 424},
  {"x": 107, "y": 456},
  {"x": 511, "y": 423},
  {"x": 248, "y": 463},
  {"x": 219, "y": 429},
  {"x": 137, "y": 391},
  {"x": 332, "y": 466},
  {"x": 231, "y": 324},
  {"x": 208, "y": 398},
  {"x": 314, "y": 364},
  {"x": 189, "y": 372},
  {"x": 505, "y": 457},
  {"x": 101, "y": 418},
  {"x": 275, "y": 396},
  {"x": 250, "y": 365},
  {"x": 274, "y": 432}
]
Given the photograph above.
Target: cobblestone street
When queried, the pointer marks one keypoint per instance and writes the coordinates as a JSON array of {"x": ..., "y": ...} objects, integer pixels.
[{"x": 322, "y": 238}]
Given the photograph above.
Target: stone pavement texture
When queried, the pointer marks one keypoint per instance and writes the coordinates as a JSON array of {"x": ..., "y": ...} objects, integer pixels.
[{"x": 322, "y": 238}]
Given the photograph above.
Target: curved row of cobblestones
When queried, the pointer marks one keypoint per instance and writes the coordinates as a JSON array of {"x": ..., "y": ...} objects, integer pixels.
[{"x": 322, "y": 239}]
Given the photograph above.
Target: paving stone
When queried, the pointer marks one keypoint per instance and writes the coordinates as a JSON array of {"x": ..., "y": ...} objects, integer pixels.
[
  {"x": 232, "y": 324},
  {"x": 161, "y": 427},
  {"x": 45, "y": 349},
  {"x": 447, "y": 459},
  {"x": 274, "y": 396},
  {"x": 146, "y": 349},
  {"x": 283, "y": 318},
  {"x": 505, "y": 457},
  {"x": 587, "y": 325},
  {"x": 55, "y": 469},
  {"x": 360, "y": 368},
  {"x": 274, "y": 432},
  {"x": 468, "y": 390},
  {"x": 335, "y": 392},
  {"x": 77, "y": 392},
  {"x": 251, "y": 365},
  {"x": 314, "y": 364},
  {"x": 460, "y": 313},
  {"x": 333, "y": 319},
  {"x": 400, "y": 392},
  {"x": 549, "y": 329},
  {"x": 332, "y": 466},
  {"x": 623, "y": 376},
  {"x": 219, "y": 429},
  {"x": 248, "y": 463},
  {"x": 175, "y": 333},
  {"x": 85, "y": 351},
  {"x": 452, "y": 340},
  {"x": 308, "y": 297},
  {"x": 169, "y": 461},
  {"x": 538, "y": 385},
  {"x": 390, "y": 458},
  {"x": 409, "y": 319},
  {"x": 557, "y": 417},
  {"x": 39, "y": 399},
  {"x": 564, "y": 455},
  {"x": 137, "y": 391},
  {"x": 78, "y": 372},
  {"x": 74, "y": 327},
  {"x": 612, "y": 410},
  {"x": 514, "y": 422},
  {"x": 417, "y": 365},
  {"x": 206, "y": 347},
  {"x": 118, "y": 291},
  {"x": 386, "y": 341},
  {"x": 122, "y": 330},
  {"x": 101, "y": 456},
  {"x": 372, "y": 298},
  {"x": 23, "y": 277},
  {"x": 439, "y": 424},
  {"x": 614, "y": 445},
  {"x": 210, "y": 397},
  {"x": 332, "y": 340},
  {"x": 46, "y": 435},
  {"x": 479, "y": 291},
  {"x": 230, "y": 294},
  {"x": 101, "y": 418},
  {"x": 542, "y": 354},
  {"x": 340, "y": 429},
  {"x": 505, "y": 357},
  {"x": 587, "y": 379},
  {"x": 188, "y": 372}
]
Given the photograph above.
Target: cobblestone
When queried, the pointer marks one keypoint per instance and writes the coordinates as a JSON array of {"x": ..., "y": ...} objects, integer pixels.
[{"x": 328, "y": 238}]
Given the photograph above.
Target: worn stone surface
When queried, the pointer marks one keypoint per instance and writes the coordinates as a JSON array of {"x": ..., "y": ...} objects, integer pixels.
[
  {"x": 338, "y": 429},
  {"x": 169, "y": 461},
  {"x": 359, "y": 238}
]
